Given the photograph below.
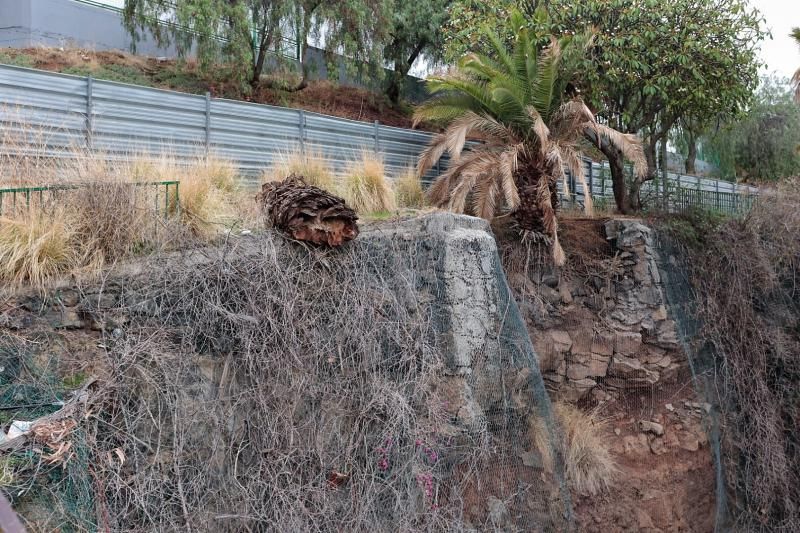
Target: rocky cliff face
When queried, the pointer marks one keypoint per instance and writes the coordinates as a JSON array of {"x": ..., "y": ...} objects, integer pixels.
[{"x": 604, "y": 331}]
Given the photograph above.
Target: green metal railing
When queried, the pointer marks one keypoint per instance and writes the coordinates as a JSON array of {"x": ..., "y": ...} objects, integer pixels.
[{"x": 14, "y": 197}]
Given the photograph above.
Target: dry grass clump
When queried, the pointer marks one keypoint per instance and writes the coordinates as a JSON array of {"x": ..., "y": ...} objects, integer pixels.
[
  {"x": 588, "y": 464},
  {"x": 408, "y": 190},
  {"x": 37, "y": 247},
  {"x": 365, "y": 187},
  {"x": 96, "y": 215},
  {"x": 308, "y": 163},
  {"x": 208, "y": 193}
]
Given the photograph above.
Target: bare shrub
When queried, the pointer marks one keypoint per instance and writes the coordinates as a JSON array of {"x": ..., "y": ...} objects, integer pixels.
[
  {"x": 744, "y": 274},
  {"x": 282, "y": 391}
]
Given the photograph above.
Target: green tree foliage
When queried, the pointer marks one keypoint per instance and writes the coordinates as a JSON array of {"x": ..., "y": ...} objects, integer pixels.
[
  {"x": 521, "y": 105},
  {"x": 416, "y": 31},
  {"x": 654, "y": 63},
  {"x": 764, "y": 143},
  {"x": 242, "y": 32},
  {"x": 367, "y": 34}
]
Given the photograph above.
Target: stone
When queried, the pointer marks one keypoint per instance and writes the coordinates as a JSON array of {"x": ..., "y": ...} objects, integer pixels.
[
  {"x": 635, "y": 444},
  {"x": 561, "y": 340},
  {"x": 498, "y": 513},
  {"x": 666, "y": 336},
  {"x": 632, "y": 371},
  {"x": 549, "y": 295},
  {"x": 582, "y": 341},
  {"x": 646, "y": 426},
  {"x": 550, "y": 280},
  {"x": 66, "y": 319},
  {"x": 532, "y": 458},
  {"x": 603, "y": 343},
  {"x": 577, "y": 371},
  {"x": 553, "y": 377},
  {"x": 643, "y": 520},
  {"x": 653, "y": 355},
  {"x": 617, "y": 432},
  {"x": 688, "y": 442},
  {"x": 566, "y": 295},
  {"x": 69, "y": 297},
  {"x": 657, "y": 446},
  {"x": 598, "y": 366},
  {"x": 627, "y": 343},
  {"x": 574, "y": 390},
  {"x": 669, "y": 407}
]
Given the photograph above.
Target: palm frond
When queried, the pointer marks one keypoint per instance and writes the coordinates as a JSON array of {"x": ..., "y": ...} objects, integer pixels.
[
  {"x": 540, "y": 129},
  {"x": 549, "y": 221},
  {"x": 499, "y": 49},
  {"x": 546, "y": 74},
  {"x": 445, "y": 106},
  {"x": 439, "y": 192},
  {"x": 431, "y": 154},
  {"x": 509, "y": 162},
  {"x": 574, "y": 161}
]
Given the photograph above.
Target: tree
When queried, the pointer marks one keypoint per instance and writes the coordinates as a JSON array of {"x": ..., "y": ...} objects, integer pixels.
[
  {"x": 520, "y": 106},
  {"x": 243, "y": 32},
  {"x": 653, "y": 63},
  {"x": 796, "y": 78},
  {"x": 415, "y": 32},
  {"x": 764, "y": 143}
]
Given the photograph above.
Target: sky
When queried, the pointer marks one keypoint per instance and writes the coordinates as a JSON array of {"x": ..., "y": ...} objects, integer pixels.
[{"x": 780, "y": 53}]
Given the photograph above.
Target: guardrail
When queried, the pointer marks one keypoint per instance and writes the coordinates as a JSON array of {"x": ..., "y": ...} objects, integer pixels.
[{"x": 16, "y": 195}]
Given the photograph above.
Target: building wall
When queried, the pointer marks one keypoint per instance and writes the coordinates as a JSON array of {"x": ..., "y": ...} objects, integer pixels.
[{"x": 27, "y": 23}]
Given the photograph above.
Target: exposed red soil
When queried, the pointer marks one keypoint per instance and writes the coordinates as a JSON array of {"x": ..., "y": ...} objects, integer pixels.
[
  {"x": 665, "y": 484},
  {"x": 185, "y": 76}
]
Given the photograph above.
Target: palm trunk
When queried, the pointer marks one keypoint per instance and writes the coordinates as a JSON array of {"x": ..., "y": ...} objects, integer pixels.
[{"x": 534, "y": 213}]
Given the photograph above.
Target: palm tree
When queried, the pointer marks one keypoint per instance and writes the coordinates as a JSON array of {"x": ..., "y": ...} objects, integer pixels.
[
  {"x": 528, "y": 122},
  {"x": 796, "y": 78}
]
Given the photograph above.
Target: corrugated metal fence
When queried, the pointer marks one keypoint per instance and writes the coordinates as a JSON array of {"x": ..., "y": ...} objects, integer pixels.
[{"x": 55, "y": 114}]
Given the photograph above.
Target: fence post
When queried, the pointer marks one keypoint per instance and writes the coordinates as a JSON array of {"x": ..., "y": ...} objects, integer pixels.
[
  {"x": 208, "y": 123},
  {"x": 302, "y": 129},
  {"x": 89, "y": 112},
  {"x": 377, "y": 137},
  {"x": 716, "y": 189},
  {"x": 591, "y": 180},
  {"x": 603, "y": 179}
]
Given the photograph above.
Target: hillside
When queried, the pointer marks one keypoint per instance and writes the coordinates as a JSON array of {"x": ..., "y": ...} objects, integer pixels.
[{"x": 185, "y": 76}]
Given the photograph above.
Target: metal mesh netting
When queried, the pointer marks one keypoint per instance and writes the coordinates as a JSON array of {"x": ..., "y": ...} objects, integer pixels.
[{"x": 390, "y": 385}]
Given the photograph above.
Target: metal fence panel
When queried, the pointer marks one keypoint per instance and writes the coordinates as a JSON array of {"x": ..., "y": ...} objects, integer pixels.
[{"x": 48, "y": 114}]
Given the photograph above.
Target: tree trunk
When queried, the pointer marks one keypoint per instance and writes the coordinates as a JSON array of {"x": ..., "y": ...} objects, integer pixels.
[
  {"x": 393, "y": 88},
  {"x": 617, "y": 166},
  {"x": 691, "y": 156}
]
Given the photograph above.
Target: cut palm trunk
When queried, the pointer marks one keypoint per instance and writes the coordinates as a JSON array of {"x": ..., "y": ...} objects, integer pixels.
[{"x": 307, "y": 213}]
